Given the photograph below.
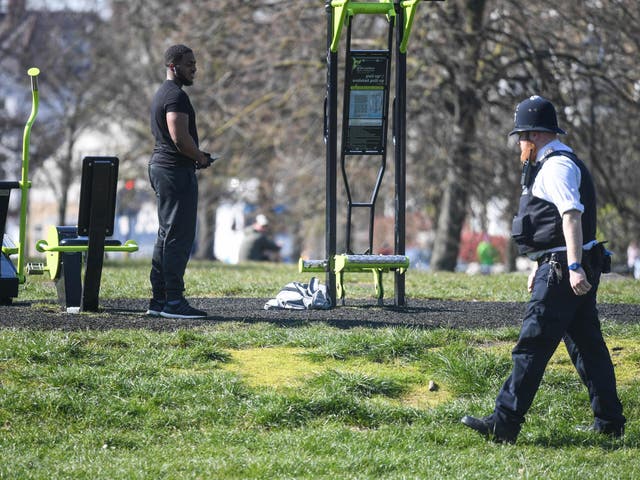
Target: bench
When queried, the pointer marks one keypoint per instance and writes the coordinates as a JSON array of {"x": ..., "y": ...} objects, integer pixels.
[{"x": 341, "y": 263}]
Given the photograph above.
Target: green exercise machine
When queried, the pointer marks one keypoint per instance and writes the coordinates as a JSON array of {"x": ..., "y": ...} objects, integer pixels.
[
  {"x": 68, "y": 249},
  {"x": 365, "y": 109},
  {"x": 11, "y": 275}
]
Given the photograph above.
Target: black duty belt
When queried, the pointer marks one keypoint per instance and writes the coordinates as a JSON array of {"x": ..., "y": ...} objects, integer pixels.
[{"x": 561, "y": 257}]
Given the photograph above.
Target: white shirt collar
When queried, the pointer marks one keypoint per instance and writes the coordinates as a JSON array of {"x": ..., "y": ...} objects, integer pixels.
[{"x": 552, "y": 146}]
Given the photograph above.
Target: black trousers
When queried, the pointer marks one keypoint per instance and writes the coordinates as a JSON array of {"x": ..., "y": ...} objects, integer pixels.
[
  {"x": 176, "y": 192},
  {"x": 555, "y": 313}
]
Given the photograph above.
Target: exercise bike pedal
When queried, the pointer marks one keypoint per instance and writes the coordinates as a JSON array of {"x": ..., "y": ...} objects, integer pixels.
[{"x": 36, "y": 268}]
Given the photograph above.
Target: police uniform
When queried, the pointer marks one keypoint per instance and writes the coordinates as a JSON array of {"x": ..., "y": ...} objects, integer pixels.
[{"x": 559, "y": 182}]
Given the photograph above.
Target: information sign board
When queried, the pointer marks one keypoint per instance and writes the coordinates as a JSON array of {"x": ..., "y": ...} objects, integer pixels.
[{"x": 368, "y": 87}]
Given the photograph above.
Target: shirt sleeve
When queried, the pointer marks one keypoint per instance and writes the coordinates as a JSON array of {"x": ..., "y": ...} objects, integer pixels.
[
  {"x": 177, "y": 101},
  {"x": 558, "y": 182}
]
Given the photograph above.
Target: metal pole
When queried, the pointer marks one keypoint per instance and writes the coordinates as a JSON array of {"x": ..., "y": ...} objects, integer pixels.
[
  {"x": 331, "y": 143},
  {"x": 400, "y": 152},
  {"x": 25, "y": 185},
  {"x": 346, "y": 92}
]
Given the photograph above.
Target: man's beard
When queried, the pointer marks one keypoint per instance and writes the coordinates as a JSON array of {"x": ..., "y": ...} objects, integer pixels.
[
  {"x": 528, "y": 151},
  {"x": 183, "y": 80}
]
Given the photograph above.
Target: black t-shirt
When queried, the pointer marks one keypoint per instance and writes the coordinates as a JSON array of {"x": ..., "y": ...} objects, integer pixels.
[{"x": 170, "y": 98}]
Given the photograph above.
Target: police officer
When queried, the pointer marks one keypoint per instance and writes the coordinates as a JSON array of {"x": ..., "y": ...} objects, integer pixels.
[{"x": 556, "y": 227}]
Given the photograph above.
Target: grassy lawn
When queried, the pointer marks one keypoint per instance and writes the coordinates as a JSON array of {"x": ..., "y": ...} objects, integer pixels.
[
  {"x": 243, "y": 401},
  {"x": 206, "y": 279}
]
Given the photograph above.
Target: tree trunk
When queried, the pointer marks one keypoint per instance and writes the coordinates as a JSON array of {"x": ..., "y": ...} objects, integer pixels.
[
  {"x": 206, "y": 220},
  {"x": 455, "y": 197},
  {"x": 512, "y": 255},
  {"x": 467, "y": 105},
  {"x": 66, "y": 178},
  {"x": 453, "y": 211}
]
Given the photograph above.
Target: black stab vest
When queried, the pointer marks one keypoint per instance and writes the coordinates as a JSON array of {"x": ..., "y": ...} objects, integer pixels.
[{"x": 538, "y": 224}]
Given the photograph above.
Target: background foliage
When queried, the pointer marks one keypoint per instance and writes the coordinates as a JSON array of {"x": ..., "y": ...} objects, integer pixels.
[{"x": 261, "y": 83}]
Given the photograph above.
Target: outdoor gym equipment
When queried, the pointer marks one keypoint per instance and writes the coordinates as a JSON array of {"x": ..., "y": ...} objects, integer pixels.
[
  {"x": 10, "y": 275},
  {"x": 67, "y": 246},
  {"x": 364, "y": 132}
]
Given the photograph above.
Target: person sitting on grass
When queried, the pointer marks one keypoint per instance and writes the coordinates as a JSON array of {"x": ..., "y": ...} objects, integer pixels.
[{"x": 257, "y": 245}]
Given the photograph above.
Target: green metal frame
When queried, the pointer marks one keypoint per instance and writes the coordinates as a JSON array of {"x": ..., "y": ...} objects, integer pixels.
[
  {"x": 410, "y": 7},
  {"x": 53, "y": 251},
  {"x": 25, "y": 184},
  {"x": 128, "y": 246},
  {"x": 341, "y": 263},
  {"x": 376, "y": 264},
  {"x": 10, "y": 250},
  {"x": 347, "y": 8}
]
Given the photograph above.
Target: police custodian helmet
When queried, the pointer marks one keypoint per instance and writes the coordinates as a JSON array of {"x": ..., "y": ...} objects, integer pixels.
[{"x": 536, "y": 114}]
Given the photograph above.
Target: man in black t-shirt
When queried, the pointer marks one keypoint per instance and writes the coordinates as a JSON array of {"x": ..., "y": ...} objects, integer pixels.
[{"x": 175, "y": 157}]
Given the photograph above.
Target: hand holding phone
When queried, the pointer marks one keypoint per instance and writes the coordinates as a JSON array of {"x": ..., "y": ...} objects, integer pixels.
[{"x": 210, "y": 159}]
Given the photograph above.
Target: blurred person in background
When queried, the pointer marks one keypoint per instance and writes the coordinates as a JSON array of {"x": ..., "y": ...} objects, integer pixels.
[
  {"x": 487, "y": 254},
  {"x": 633, "y": 259},
  {"x": 257, "y": 244}
]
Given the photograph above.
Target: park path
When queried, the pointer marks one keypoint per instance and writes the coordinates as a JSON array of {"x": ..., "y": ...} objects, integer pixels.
[{"x": 129, "y": 314}]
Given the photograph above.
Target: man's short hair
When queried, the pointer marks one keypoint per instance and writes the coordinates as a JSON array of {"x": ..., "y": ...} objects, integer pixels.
[{"x": 175, "y": 53}]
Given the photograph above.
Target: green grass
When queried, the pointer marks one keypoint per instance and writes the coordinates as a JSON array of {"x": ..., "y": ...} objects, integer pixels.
[
  {"x": 210, "y": 279},
  {"x": 240, "y": 401}
]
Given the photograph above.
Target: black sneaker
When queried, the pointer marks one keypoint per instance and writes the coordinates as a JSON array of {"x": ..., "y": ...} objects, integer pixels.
[
  {"x": 182, "y": 309},
  {"x": 610, "y": 430},
  {"x": 487, "y": 428},
  {"x": 155, "y": 307}
]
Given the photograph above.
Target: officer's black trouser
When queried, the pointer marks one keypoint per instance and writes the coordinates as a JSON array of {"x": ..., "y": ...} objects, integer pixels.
[
  {"x": 177, "y": 199},
  {"x": 554, "y": 313}
]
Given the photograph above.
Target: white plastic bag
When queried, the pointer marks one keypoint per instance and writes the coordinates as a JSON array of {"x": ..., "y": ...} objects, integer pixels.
[{"x": 301, "y": 296}]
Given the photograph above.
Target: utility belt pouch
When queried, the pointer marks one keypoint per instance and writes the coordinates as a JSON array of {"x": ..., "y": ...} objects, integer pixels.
[
  {"x": 521, "y": 230},
  {"x": 606, "y": 261},
  {"x": 589, "y": 270},
  {"x": 601, "y": 257}
]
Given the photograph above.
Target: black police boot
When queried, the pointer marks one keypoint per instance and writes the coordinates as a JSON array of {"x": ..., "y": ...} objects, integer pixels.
[
  {"x": 488, "y": 428},
  {"x": 614, "y": 431}
]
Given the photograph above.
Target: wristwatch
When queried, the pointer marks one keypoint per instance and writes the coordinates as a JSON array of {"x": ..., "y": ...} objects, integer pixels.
[{"x": 574, "y": 266}]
